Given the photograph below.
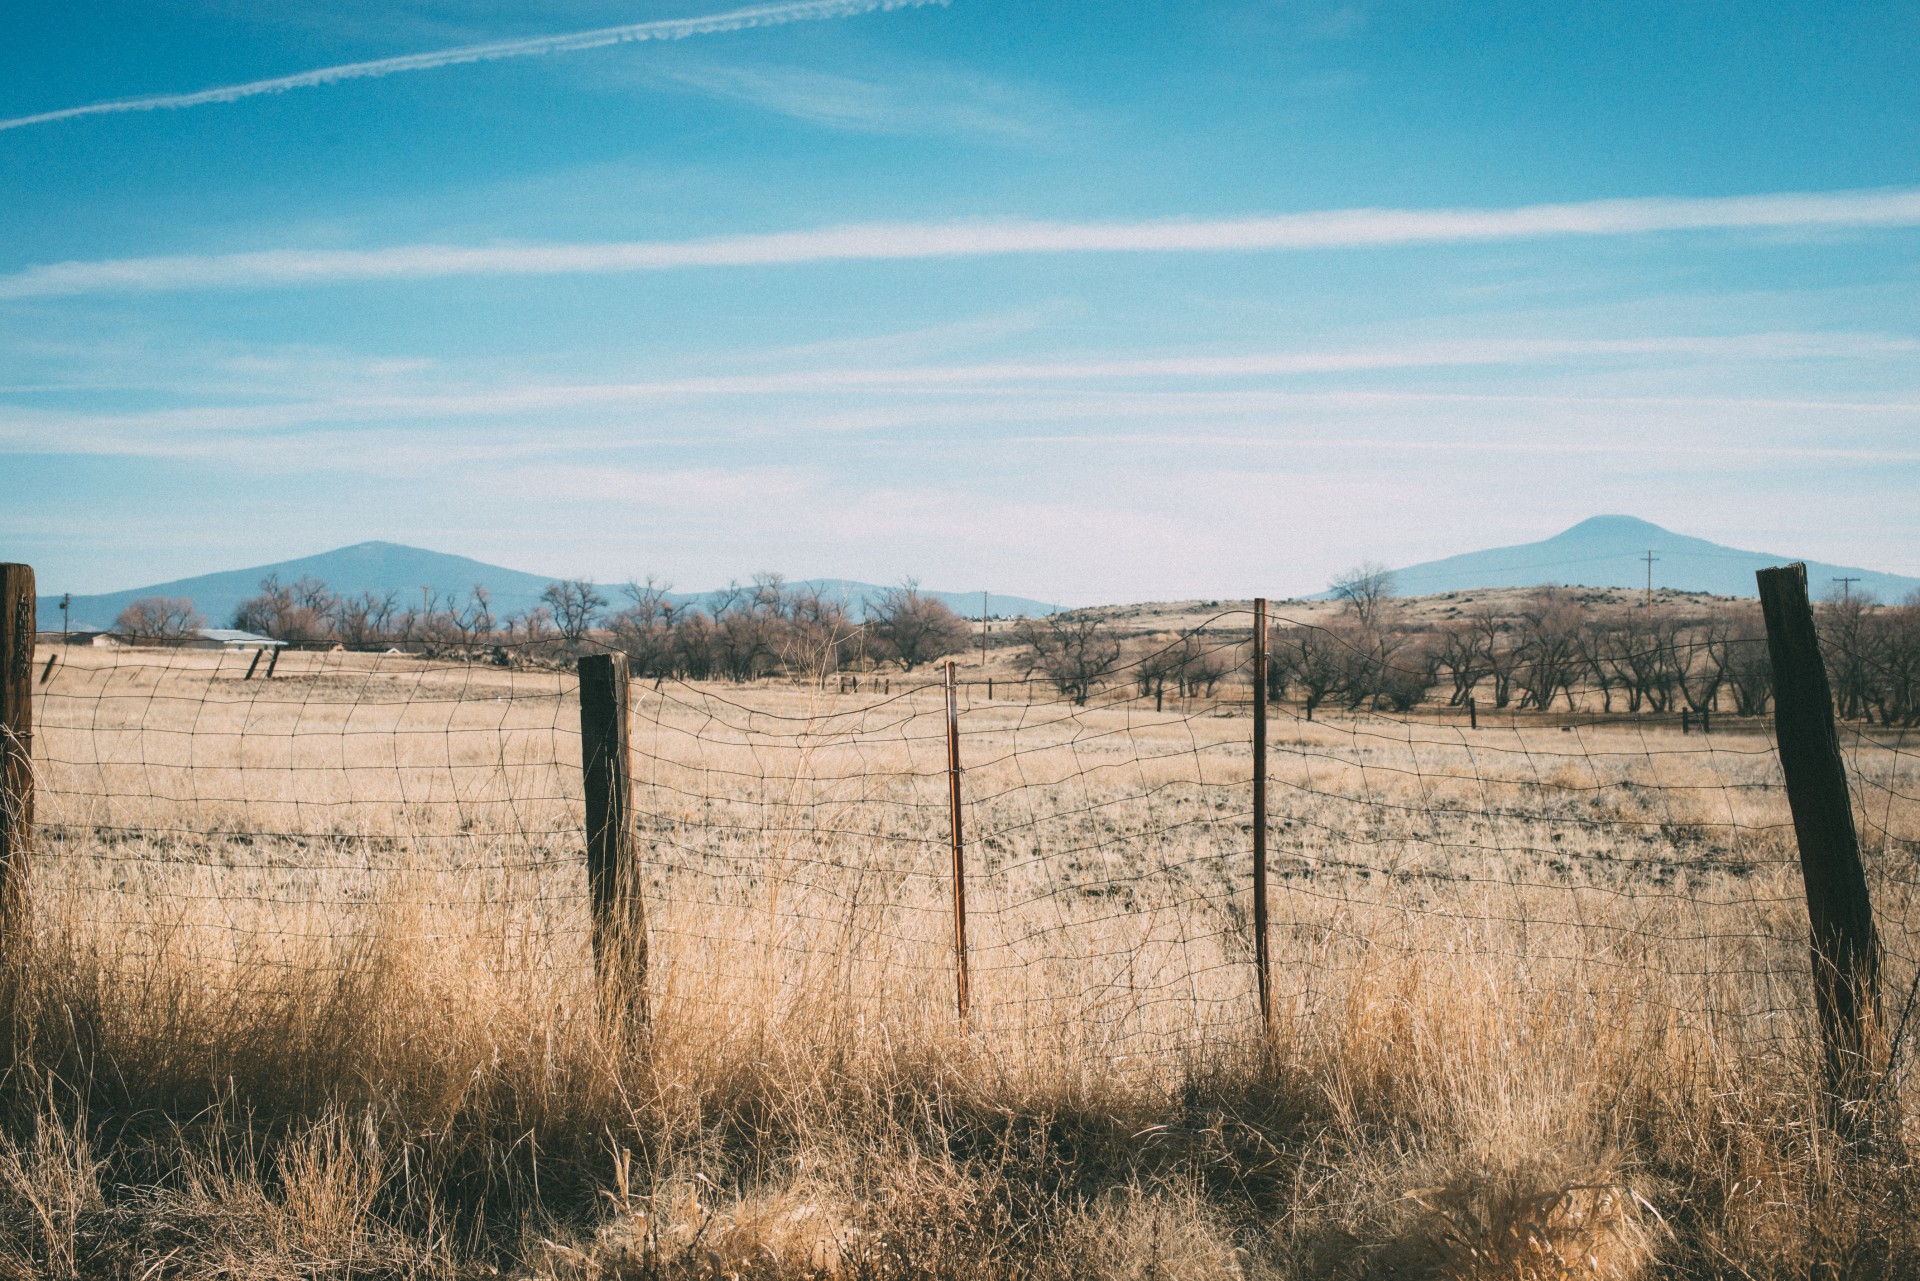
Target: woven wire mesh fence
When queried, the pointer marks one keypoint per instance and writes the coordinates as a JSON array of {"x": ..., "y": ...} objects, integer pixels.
[
  {"x": 252, "y": 829},
  {"x": 796, "y": 842}
]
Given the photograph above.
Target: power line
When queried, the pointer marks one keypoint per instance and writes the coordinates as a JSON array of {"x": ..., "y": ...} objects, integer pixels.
[{"x": 1846, "y": 588}]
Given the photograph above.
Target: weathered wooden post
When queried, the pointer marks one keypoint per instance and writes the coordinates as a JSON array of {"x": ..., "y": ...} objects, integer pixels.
[
  {"x": 1846, "y": 948},
  {"x": 613, "y": 856},
  {"x": 1260, "y": 960},
  {"x": 959, "y": 863},
  {"x": 16, "y": 744}
]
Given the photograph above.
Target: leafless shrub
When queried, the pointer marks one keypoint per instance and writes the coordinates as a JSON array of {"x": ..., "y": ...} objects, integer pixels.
[
  {"x": 1073, "y": 651},
  {"x": 158, "y": 620},
  {"x": 909, "y": 628}
]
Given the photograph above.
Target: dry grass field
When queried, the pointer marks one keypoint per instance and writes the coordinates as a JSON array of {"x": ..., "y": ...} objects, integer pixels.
[{"x": 303, "y": 990}]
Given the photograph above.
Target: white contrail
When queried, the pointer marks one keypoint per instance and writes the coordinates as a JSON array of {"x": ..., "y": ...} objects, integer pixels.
[
  {"x": 1331, "y": 229},
  {"x": 768, "y": 15}
]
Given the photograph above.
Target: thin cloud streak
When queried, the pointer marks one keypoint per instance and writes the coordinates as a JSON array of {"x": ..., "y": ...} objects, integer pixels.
[
  {"x": 1329, "y": 229},
  {"x": 1022, "y": 378},
  {"x": 771, "y": 15}
]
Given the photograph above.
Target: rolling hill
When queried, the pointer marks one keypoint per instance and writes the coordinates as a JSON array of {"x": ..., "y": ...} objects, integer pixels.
[
  {"x": 1610, "y": 551},
  {"x": 392, "y": 567}
]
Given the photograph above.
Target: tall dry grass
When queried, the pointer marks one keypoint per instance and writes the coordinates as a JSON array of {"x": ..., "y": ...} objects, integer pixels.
[{"x": 1542, "y": 1005}]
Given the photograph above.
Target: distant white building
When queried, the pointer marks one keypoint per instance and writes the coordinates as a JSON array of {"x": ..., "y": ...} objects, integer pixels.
[
  {"x": 230, "y": 638},
  {"x": 78, "y": 634}
]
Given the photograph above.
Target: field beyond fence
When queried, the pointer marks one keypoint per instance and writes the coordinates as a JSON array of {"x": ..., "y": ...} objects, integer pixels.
[{"x": 1568, "y": 903}]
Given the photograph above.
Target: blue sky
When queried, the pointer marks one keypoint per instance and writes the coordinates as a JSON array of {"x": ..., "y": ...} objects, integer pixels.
[{"x": 1080, "y": 301}]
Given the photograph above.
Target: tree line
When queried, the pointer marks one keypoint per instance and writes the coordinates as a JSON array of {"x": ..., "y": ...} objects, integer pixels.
[
  {"x": 740, "y": 633},
  {"x": 1553, "y": 648},
  {"x": 1557, "y": 649}
]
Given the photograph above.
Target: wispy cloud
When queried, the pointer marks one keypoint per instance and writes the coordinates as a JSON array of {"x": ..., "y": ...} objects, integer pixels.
[
  {"x": 916, "y": 101},
  {"x": 1185, "y": 397},
  {"x": 1330, "y": 229},
  {"x": 770, "y": 15}
]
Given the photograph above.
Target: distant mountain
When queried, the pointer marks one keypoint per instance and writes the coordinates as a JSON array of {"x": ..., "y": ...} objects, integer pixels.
[
  {"x": 405, "y": 571},
  {"x": 1610, "y": 551}
]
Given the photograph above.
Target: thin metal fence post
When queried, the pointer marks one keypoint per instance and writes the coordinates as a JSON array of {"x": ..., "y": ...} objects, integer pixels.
[
  {"x": 16, "y": 743},
  {"x": 613, "y": 858},
  {"x": 1260, "y": 953},
  {"x": 959, "y": 863},
  {"x": 1846, "y": 947}
]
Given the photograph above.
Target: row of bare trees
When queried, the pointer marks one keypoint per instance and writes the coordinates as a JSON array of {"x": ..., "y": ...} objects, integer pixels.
[
  {"x": 769, "y": 626},
  {"x": 1556, "y": 650},
  {"x": 1552, "y": 649},
  {"x": 309, "y": 612},
  {"x": 1873, "y": 659},
  {"x": 740, "y": 633}
]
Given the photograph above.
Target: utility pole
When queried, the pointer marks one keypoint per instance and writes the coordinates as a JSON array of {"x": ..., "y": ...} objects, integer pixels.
[
  {"x": 1846, "y": 589},
  {"x": 983, "y": 629},
  {"x": 1650, "y": 558},
  {"x": 66, "y": 600}
]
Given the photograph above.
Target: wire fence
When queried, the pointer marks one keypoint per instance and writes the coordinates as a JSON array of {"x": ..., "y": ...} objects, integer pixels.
[{"x": 795, "y": 840}]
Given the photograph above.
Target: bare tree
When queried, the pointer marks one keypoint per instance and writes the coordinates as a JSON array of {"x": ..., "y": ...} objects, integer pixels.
[
  {"x": 1550, "y": 661},
  {"x": 472, "y": 622},
  {"x": 1699, "y": 669},
  {"x": 1895, "y": 691},
  {"x": 299, "y": 611},
  {"x": 1458, "y": 652},
  {"x": 813, "y": 634},
  {"x": 644, "y": 630},
  {"x": 1403, "y": 670},
  {"x": 576, "y": 604},
  {"x": 1498, "y": 653},
  {"x": 1320, "y": 661},
  {"x": 745, "y": 625},
  {"x": 1847, "y": 643},
  {"x": 366, "y": 619},
  {"x": 1365, "y": 589},
  {"x": 1199, "y": 666},
  {"x": 1745, "y": 662},
  {"x": 158, "y": 620},
  {"x": 1074, "y": 651},
  {"x": 910, "y": 629}
]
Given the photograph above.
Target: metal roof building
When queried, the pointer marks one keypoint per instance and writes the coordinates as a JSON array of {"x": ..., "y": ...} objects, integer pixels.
[{"x": 230, "y": 638}]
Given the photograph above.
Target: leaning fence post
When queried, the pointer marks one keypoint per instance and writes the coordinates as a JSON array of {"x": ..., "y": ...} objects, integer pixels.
[
  {"x": 1260, "y": 811},
  {"x": 16, "y": 741},
  {"x": 613, "y": 857},
  {"x": 1846, "y": 949},
  {"x": 959, "y": 863}
]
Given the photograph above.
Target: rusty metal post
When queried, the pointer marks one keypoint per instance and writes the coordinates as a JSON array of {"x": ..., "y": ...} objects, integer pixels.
[
  {"x": 959, "y": 862},
  {"x": 16, "y": 743},
  {"x": 1260, "y": 953}
]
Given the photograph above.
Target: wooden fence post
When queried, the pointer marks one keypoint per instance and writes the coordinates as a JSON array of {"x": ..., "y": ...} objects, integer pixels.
[
  {"x": 959, "y": 863},
  {"x": 1846, "y": 948},
  {"x": 613, "y": 856},
  {"x": 1260, "y": 960},
  {"x": 16, "y": 743}
]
